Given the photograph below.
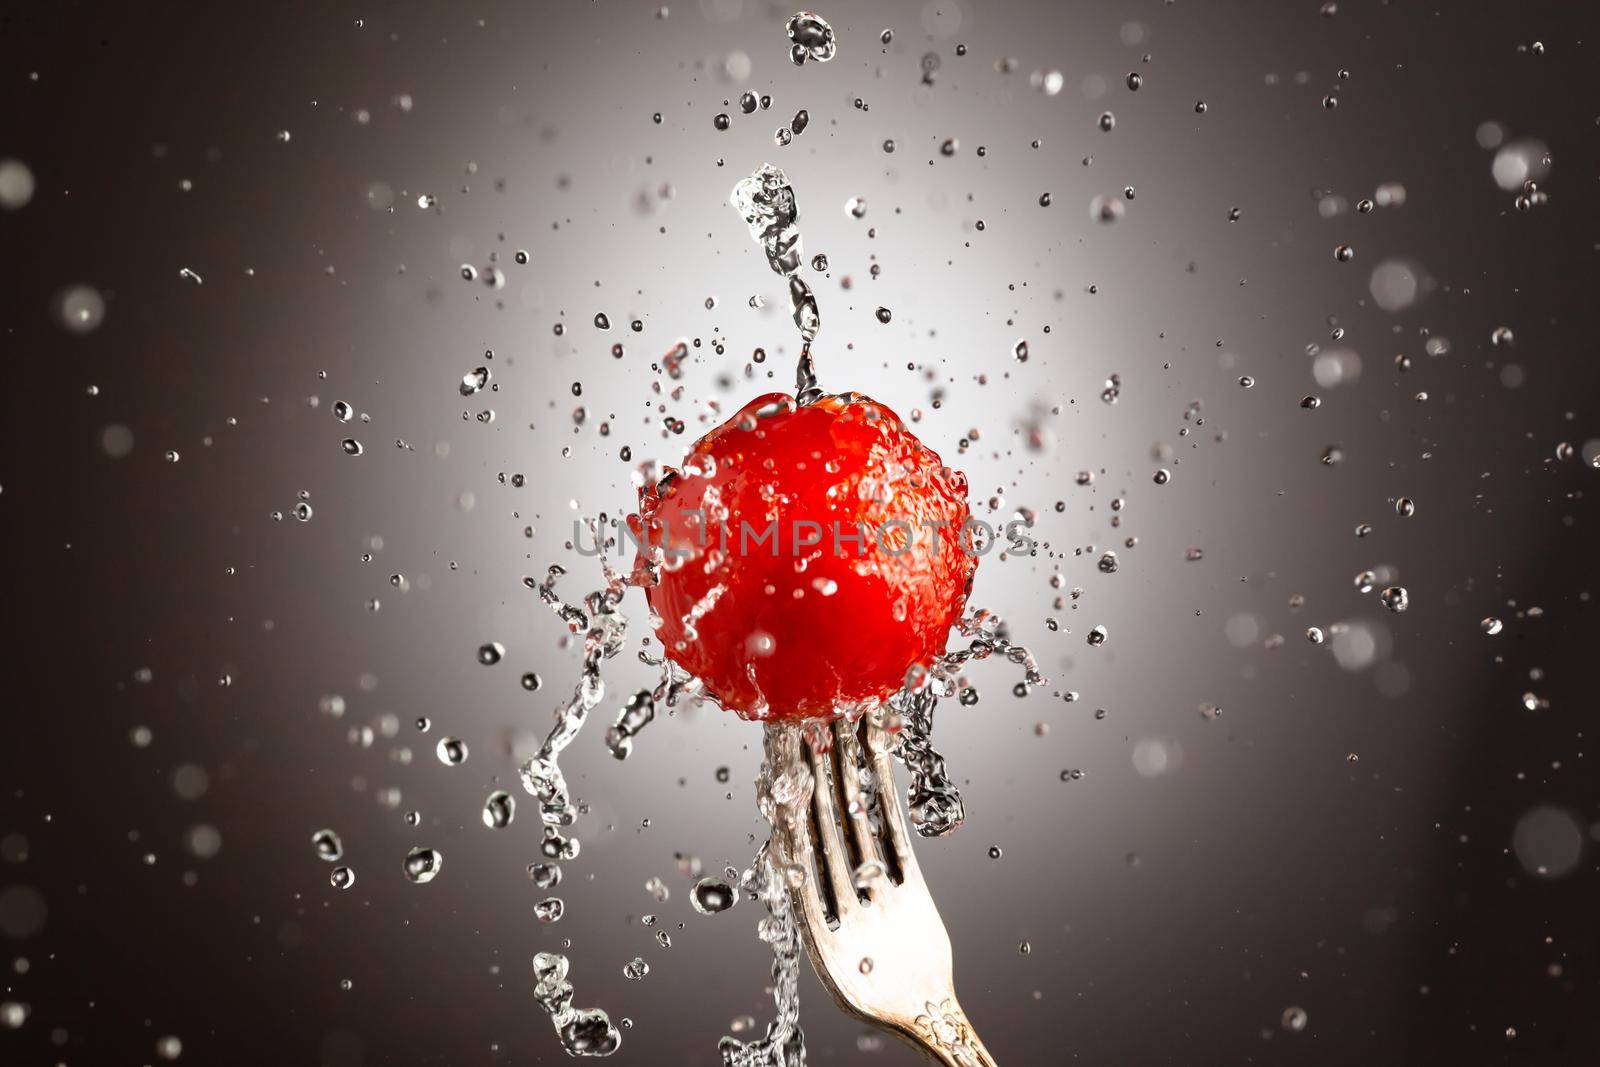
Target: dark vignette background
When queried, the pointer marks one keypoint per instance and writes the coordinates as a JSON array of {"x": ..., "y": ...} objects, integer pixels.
[{"x": 1172, "y": 917}]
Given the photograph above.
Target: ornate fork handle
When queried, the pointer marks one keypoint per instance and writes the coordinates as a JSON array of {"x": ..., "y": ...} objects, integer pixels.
[{"x": 944, "y": 1033}]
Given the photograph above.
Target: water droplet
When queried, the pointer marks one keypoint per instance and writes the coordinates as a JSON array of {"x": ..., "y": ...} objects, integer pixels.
[
  {"x": 81, "y": 308},
  {"x": 711, "y": 896},
  {"x": 452, "y": 752},
  {"x": 1106, "y": 209},
  {"x": 342, "y": 877},
  {"x": 16, "y": 184},
  {"x": 499, "y": 809},
  {"x": 491, "y": 653},
  {"x": 1395, "y": 598},
  {"x": 422, "y": 865},
  {"x": 590, "y": 1033},
  {"x": 327, "y": 845},
  {"x": 812, "y": 38}
]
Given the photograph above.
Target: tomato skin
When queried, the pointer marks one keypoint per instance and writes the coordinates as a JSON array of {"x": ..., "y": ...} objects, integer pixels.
[{"x": 779, "y": 627}]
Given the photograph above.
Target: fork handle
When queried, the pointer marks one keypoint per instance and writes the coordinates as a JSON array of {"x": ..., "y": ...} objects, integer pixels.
[
  {"x": 949, "y": 1038},
  {"x": 974, "y": 1055}
]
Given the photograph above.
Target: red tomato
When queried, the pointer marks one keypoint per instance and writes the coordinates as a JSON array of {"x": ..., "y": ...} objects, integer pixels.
[{"x": 809, "y": 556}]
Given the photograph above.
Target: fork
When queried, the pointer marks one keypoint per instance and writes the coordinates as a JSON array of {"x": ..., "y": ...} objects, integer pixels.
[{"x": 869, "y": 924}]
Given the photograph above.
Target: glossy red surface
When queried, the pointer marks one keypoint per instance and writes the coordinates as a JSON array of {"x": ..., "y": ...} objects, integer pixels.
[{"x": 778, "y": 610}]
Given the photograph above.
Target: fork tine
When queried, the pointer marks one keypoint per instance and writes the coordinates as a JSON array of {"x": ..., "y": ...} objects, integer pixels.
[
  {"x": 880, "y": 744},
  {"x": 833, "y": 857},
  {"x": 855, "y": 800},
  {"x": 784, "y": 749},
  {"x": 796, "y": 849}
]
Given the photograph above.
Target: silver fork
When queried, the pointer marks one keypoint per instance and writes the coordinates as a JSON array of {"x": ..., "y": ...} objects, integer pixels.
[{"x": 868, "y": 921}]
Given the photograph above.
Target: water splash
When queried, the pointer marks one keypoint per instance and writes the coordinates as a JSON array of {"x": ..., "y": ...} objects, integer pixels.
[
  {"x": 988, "y": 636},
  {"x": 767, "y": 202},
  {"x": 636, "y": 714},
  {"x": 782, "y": 790},
  {"x": 933, "y": 799},
  {"x": 583, "y": 1031},
  {"x": 784, "y": 1044},
  {"x": 604, "y": 630},
  {"x": 675, "y": 685}
]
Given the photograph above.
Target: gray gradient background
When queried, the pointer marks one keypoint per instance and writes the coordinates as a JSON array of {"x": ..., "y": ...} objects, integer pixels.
[{"x": 1382, "y": 896}]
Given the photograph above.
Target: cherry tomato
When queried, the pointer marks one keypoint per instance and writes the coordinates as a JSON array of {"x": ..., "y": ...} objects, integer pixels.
[{"x": 807, "y": 557}]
